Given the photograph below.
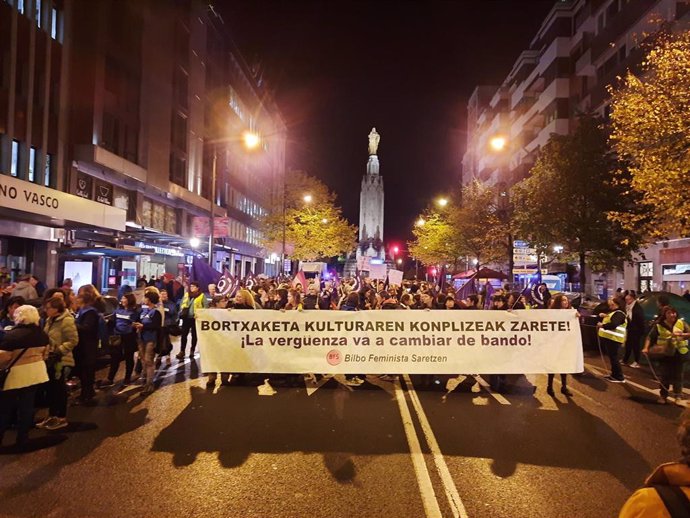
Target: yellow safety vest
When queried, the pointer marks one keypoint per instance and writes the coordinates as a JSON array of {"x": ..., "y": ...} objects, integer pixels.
[
  {"x": 667, "y": 337},
  {"x": 616, "y": 335},
  {"x": 196, "y": 303}
]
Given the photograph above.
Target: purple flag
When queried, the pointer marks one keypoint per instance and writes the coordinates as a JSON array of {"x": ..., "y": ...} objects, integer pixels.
[
  {"x": 204, "y": 274},
  {"x": 489, "y": 292},
  {"x": 469, "y": 288},
  {"x": 226, "y": 284}
]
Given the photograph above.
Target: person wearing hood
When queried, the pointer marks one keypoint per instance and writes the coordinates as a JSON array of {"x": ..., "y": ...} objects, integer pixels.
[{"x": 25, "y": 288}]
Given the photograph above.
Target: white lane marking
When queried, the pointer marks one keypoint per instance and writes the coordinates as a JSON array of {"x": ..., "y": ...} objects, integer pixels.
[
  {"x": 485, "y": 386},
  {"x": 426, "y": 489},
  {"x": 454, "y": 500}
]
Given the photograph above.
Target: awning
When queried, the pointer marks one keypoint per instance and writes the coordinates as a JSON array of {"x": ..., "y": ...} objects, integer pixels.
[{"x": 96, "y": 251}]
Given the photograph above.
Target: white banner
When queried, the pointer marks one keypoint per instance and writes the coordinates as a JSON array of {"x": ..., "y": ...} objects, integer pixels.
[{"x": 390, "y": 342}]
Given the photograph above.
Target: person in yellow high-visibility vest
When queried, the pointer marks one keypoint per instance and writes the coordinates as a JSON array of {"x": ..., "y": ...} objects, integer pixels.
[
  {"x": 612, "y": 331},
  {"x": 193, "y": 300},
  {"x": 673, "y": 334}
]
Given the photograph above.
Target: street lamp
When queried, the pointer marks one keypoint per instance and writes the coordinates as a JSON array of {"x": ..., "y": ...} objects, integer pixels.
[
  {"x": 194, "y": 242},
  {"x": 420, "y": 222},
  {"x": 498, "y": 143},
  {"x": 442, "y": 202},
  {"x": 399, "y": 261},
  {"x": 308, "y": 198},
  {"x": 251, "y": 140}
]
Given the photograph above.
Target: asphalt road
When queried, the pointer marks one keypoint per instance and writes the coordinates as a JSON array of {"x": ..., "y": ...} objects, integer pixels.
[{"x": 381, "y": 449}]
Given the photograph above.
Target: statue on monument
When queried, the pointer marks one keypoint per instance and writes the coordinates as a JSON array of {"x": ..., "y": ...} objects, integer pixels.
[{"x": 374, "y": 139}]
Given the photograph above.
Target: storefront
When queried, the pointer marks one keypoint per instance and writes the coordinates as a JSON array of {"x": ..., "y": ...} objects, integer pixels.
[{"x": 36, "y": 220}]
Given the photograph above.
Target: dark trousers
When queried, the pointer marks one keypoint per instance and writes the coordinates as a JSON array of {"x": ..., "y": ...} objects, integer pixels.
[
  {"x": 671, "y": 373},
  {"x": 611, "y": 349},
  {"x": 633, "y": 345},
  {"x": 564, "y": 380},
  {"x": 85, "y": 358},
  {"x": 187, "y": 325},
  {"x": 57, "y": 391},
  {"x": 124, "y": 351},
  {"x": 20, "y": 401}
]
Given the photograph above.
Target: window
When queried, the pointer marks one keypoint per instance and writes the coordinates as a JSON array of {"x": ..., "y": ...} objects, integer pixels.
[
  {"x": 14, "y": 168},
  {"x": 32, "y": 164},
  {"x": 20, "y": 6},
  {"x": 46, "y": 173},
  {"x": 53, "y": 23},
  {"x": 38, "y": 13},
  {"x": 179, "y": 136}
]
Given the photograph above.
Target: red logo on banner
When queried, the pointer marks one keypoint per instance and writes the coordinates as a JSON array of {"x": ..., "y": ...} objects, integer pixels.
[{"x": 334, "y": 357}]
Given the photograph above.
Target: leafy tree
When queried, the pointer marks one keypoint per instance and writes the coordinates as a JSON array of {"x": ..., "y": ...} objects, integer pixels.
[
  {"x": 314, "y": 229},
  {"x": 566, "y": 199},
  {"x": 650, "y": 120},
  {"x": 435, "y": 241},
  {"x": 468, "y": 226}
]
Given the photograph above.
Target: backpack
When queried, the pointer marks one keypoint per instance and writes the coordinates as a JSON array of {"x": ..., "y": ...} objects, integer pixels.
[
  {"x": 675, "y": 500},
  {"x": 103, "y": 330}
]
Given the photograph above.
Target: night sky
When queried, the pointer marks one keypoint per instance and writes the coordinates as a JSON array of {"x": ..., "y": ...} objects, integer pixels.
[{"x": 408, "y": 68}]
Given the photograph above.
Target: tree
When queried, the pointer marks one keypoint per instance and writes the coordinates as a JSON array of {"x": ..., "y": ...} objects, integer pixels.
[
  {"x": 435, "y": 239},
  {"x": 568, "y": 195},
  {"x": 650, "y": 120},
  {"x": 468, "y": 226},
  {"x": 314, "y": 229}
]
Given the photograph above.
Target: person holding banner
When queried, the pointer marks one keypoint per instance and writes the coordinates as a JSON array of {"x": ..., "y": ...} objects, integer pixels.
[
  {"x": 612, "y": 331},
  {"x": 294, "y": 300},
  {"x": 559, "y": 302},
  {"x": 192, "y": 300}
]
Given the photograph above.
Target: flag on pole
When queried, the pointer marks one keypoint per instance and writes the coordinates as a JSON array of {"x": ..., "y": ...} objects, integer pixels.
[
  {"x": 301, "y": 279},
  {"x": 226, "y": 284},
  {"x": 469, "y": 288},
  {"x": 204, "y": 274},
  {"x": 249, "y": 281},
  {"x": 489, "y": 293}
]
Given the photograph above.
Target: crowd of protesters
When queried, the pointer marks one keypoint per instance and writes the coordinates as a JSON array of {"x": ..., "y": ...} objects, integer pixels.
[{"x": 62, "y": 333}]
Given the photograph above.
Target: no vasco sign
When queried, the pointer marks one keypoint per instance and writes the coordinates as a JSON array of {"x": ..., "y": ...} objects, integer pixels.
[{"x": 36, "y": 199}]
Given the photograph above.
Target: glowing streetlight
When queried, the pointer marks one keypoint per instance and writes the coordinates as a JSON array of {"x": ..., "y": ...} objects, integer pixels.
[
  {"x": 396, "y": 249},
  {"x": 308, "y": 198},
  {"x": 194, "y": 242},
  {"x": 324, "y": 221},
  {"x": 442, "y": 202},
  {"x": 399, "y": 261},
  {"x": 251, "y": 139},
  {"x": 498, "y": 143},
  {"x": 420, "y": 222}
]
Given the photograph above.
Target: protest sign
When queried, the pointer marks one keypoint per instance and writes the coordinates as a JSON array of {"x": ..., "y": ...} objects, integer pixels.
[
  {"x": 395, "y": 277},
  {"x": 377, "y": 271},
  {"x": 394, "y": 342}
]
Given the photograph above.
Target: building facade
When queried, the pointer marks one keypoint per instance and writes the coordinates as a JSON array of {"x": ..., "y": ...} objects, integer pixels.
[
  {"x": 130, "y": 103},
  {"x": 579, "y": 49}
]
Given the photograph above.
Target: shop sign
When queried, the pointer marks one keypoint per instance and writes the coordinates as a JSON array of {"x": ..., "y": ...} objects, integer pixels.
[
  {"x": 35, "y": 199},
  {"x": 162, "y": 250},
  {"x": 104, "y": 193},
  {"x": 83, "y": 189}
]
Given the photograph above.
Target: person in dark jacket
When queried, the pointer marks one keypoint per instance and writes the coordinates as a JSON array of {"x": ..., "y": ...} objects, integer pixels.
[
  {"x": 351, "y": 303},
  {"x": 6, "y": 320},
  {"x": 633, "y": 339},
  {"x": 88, "y": 321},
  {"x": 311, "y": 299},
  {"x": 26, "y": 345},
  {"x": 124, "y": 344},
  {"x": 611, "y": 334},
  {"x": 149, "y": 326},
  {"x": 170, "y": 321}
]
